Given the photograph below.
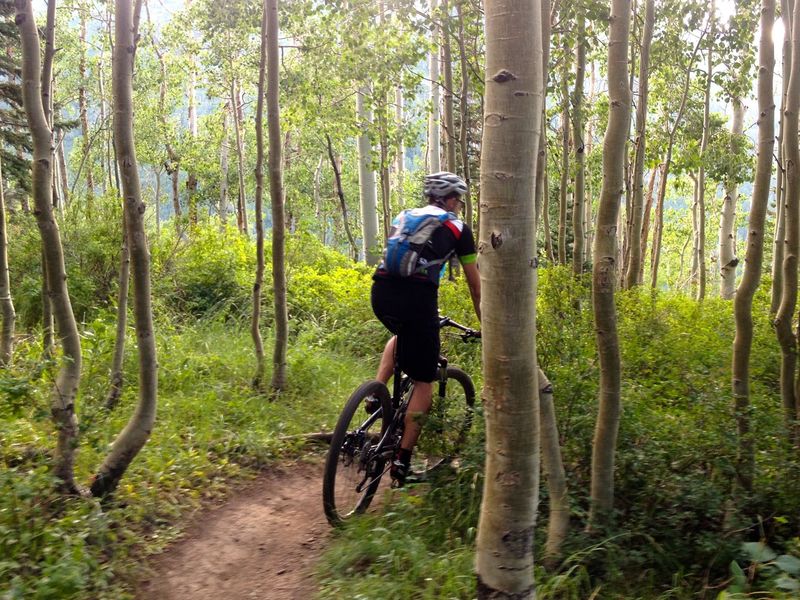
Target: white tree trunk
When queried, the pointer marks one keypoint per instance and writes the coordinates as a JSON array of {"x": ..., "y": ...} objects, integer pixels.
[
  {"x": 434, "y": 120},
  {"x": 367, "y": 185},
  {"x": 727, "y": 226},
  {"x": 512, "y": 127}
]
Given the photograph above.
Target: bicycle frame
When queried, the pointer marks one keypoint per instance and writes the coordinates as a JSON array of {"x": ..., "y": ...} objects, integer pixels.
[{"x": 402, "y": 388}]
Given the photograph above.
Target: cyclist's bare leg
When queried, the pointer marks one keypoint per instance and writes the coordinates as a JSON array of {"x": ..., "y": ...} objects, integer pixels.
[
  {"x": 386, "y": 366},
  {"x": 418, "y": 406}
]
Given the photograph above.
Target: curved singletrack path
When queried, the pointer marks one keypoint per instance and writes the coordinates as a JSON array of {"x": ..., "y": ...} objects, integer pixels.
[{"x": 262, "y": 543}]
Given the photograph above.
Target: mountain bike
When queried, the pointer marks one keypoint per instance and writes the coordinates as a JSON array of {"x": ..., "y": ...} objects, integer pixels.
[{"x": 368, "y": 432}]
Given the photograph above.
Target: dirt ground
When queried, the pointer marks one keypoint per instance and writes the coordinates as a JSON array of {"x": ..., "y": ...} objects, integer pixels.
[{"x": 262, "y": 543}]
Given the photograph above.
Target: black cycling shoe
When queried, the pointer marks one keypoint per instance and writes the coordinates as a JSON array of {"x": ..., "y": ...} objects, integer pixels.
[{"x": 399, "y": 472}]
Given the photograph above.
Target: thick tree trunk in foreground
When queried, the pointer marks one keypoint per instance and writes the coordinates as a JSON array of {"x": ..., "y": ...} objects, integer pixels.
[
  {"x": 637, "y": 201},
  {"x": 65, "y": 389},
  {"x": 512, "y": 126},
  {"x": 6, "y": 302},
  {"x": 255, "y": 322},
  {"x": 558, "y": 516},
  {"x": 276, "y": 193},
  {"x": 743, "y": 300},
  {"x": 137, "y": 431},
  {"x": 784, "y": 318},
  {"x": 604, "y": 269},
  {"x": 727, "y": 226}
]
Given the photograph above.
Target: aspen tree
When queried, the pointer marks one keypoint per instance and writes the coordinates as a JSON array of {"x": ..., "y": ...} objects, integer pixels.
[
  {"x": 278, "y": 382},
  {"x": 434, "y": 119},
  {"x": 137, "y": 431},
  {"x": 65, "y": 388},
  {"x": 604, "y": 268},
  {"x": 579, "y": 147},
  {"x": 637, "y": 201},
  {"x": 743, "y": 300},
  {"x": 791, "y": 202},
  {"x": 6, "y": 302},
  {"x": 255, "y": 321},
  {"x": 507, "y": 248}
]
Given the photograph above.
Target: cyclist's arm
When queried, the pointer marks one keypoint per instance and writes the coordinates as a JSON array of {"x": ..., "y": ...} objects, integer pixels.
[{"x": 474, "y": 284}]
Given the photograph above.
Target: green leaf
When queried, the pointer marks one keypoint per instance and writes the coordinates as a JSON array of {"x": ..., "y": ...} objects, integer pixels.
[
  {"x": 758, "y": 552},
  {"x": 788, "y": 564},
  {"x": 739, "y": 579},
  {"x": 790, "y": 584}
]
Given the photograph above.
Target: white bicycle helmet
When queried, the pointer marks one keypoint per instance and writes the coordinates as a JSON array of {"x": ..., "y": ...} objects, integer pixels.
[{"x": 444, "y": 184}]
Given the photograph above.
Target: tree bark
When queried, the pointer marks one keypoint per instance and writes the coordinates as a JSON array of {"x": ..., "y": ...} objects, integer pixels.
[
  {"x": 62, "y": 397},
  {"x": 340, "y": 193},
  {"x": 780, "y": 224},
  {"x": 447, "y": 67},
  {"x": 366, "y": 183},
  {"x": 507, "y": 247},
  {"x": 223, "y": 167},
  {"x": 191, "y": 176},
  {"x": 559, "y": 513},
  {"x": 464, "y": 105},
  {"x": 255, "y": 322},
  {"x": 578, "y": 137},
  {"x": 276, "y": 192},
  {"x": 241, "y": 204},
  {"x": 701, "y": 174},
  {"x": 434, "y": 121},
  {"x": 137, "y": 431},
  {"x": 563, "y": 189},
  {"x": 784, "y": 317},
  {"x": 727, "y": 226},
  {"x": 637, "y": 201},
  {"x": 743, "y": 300},
  {"x": 603, "y": 271},
  {"x": 648, "y": 209},
  {"x": 540, "y": 193},
  {"x": 6, "y": 302},
  {"x": 115, "y": 389},
  {"x": 83, "y": 111}
]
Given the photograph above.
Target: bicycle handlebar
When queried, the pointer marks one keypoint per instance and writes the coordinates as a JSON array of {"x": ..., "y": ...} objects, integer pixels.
[{"x": 468, "y": 334}]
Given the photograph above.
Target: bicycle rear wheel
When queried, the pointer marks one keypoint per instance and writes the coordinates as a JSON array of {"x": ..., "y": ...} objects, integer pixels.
[
  {"x": 352, "y": 471},
  {"x": 448, "y": 423}
]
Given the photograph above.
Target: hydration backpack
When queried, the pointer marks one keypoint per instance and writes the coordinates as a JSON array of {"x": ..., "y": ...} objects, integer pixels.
[{"x": 411, "y": 232}]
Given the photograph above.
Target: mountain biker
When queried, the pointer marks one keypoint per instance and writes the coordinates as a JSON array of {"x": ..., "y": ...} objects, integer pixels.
[{"x": 408, "y": 306}]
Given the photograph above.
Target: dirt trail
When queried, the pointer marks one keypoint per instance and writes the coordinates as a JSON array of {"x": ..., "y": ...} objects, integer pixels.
[{"x": 263, "y": 543}]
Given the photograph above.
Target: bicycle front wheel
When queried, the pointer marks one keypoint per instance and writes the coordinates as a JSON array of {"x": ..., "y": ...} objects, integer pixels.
[
  {"x": 352, "y": 469},
  {"x": 448, "y": 423}
]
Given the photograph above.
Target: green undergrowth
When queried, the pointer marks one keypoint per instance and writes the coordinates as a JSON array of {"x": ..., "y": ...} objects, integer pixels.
[
  {"x": 211, "y": 429},
  {"x": 683, "y": 526}
]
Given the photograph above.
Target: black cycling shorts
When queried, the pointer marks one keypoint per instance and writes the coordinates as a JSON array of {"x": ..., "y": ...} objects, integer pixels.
[{"x": 409, "y": 309}]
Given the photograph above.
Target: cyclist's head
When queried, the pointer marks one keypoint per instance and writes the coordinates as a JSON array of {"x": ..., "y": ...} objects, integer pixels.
[{"x": 441, "y": 187}]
